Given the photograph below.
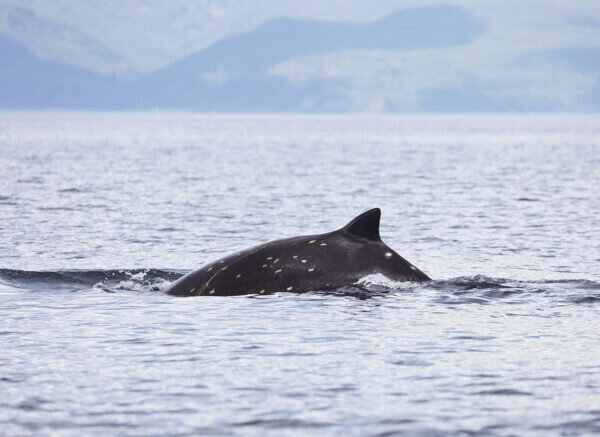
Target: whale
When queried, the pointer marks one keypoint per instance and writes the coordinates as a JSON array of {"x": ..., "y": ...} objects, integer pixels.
[{"x": 300, "y": 264}]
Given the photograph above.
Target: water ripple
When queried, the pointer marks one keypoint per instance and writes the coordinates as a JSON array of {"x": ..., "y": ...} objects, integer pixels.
[{"x": 100, "y": 212}]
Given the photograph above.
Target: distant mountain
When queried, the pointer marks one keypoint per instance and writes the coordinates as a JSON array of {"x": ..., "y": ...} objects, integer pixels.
[
  {"x": 254, "y": 52},
  {"x": 232, "y": 73},
  {"x": 27, "y": 82},
  {"x": 421, "y": 59},
  {"x": 583, "y": 60},
  {"x": 60, "y": 42},
  {"x": 151, "y": 34}
]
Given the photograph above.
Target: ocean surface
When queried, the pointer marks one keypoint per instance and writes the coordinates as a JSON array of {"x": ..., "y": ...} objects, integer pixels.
[{"x": 100, "y": 212}]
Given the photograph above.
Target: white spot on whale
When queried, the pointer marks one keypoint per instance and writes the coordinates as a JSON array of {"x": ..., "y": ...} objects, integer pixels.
[
  {"x": 276, "y": 261},
  {"x": 312, "y": 241},
  {"x": 209, "y": 269},
  {"x": 212, "y": 291},
  {"x": 192, "y": 290},
  {"x": 295, "y": 256},
  {"x": 278, "y": 271},
  {"x": 323, "y": 244},
  {"x": 239, "y": 275},
  {"x": 303, "y": 260},
  {"x": 312, "y": 269},
  {"x": 265, "y": 265},
  {"x": 289, "y": 288},
  {"x": 388, "y": 254},
  {"x": 269, "y": 258},
  {"x": 262, "y": 291},
  {"x": 413, "y": 267}
]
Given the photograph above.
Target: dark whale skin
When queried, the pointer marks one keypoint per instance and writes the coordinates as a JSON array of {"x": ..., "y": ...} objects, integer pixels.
[{"x": 299, "y": 264}]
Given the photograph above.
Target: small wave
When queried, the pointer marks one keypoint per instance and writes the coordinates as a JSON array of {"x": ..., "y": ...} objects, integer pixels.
[
  {"x": 461, "y": 290},
  {"x": 73, "y": 190},
  {"x": 586, "y": 299},
  {"x": 484, "y": 289},
  {"x": 281, "y": 424},
  {"x": 480, "y": 282},
  {"x": 74, "y": 280},
  {"x": 503, "y": 392},
  {"x": 475, "y": 282}
]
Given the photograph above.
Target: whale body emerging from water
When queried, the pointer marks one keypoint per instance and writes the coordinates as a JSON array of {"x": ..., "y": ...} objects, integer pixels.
[{"x": 300, "y": 264}]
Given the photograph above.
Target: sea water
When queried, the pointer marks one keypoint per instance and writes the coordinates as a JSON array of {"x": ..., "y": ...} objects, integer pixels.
[{"x": 99, "y": 212}]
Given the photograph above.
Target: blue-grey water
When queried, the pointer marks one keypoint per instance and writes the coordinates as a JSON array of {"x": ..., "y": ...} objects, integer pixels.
[{"x": 100, "y": 212}]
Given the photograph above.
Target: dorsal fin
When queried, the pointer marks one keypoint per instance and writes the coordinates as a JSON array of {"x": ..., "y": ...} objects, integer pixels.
[{"x": 365, "y": 225}]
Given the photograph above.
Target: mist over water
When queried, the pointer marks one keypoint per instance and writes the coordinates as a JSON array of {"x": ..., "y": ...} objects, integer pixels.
[{"x": 100, "y": 212}]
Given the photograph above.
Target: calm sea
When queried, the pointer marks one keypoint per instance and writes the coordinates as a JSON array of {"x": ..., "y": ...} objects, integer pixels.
[{"x": 100, "y": 212}]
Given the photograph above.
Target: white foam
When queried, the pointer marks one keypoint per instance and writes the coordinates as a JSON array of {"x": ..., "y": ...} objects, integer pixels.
[
  {"x": 135, "y": 282},
  {"x": 380, "y": 280}
]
